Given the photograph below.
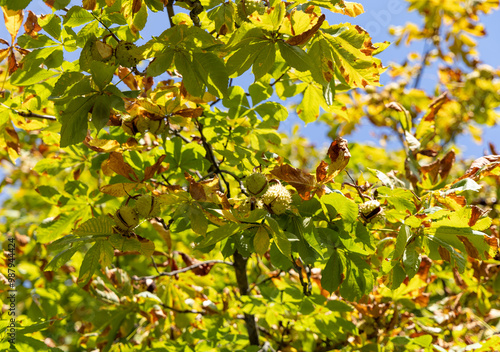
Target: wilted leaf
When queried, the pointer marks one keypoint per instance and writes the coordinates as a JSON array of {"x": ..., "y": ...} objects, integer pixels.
[
  {"x": 13, "y": 21},
  {"x": 101, "y": 145},
  {"x": 339, "y": 155},
  {"x": 203, "y": 190},
  {"x": 118, "y": 165},
  {"x": 483, "y": 166},
  {"x": 302, "y": 38},
  {"x": 121, "y": 189},
  {"x": 301, "y": 180},
  {"x": 150, "y": 171}
]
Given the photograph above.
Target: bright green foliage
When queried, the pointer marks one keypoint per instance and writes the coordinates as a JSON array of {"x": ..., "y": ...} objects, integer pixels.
[{"x": 353, "y": 248}]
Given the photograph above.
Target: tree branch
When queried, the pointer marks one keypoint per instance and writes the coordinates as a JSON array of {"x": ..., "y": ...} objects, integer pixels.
[
  {"x": 240, "y": 268},
  {"x": 31, "y": 114},
  {"x": 188, "y": 311},
  {"x": 183, "y": 270}
]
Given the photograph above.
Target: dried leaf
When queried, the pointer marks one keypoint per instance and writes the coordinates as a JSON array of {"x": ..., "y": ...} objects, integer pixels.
[
  {"x": 101, "y": 145},
  {"x": 150, "y": 171},
  {"x": 12, "y": 63},
  {"x": 204, "y": 190},
  {"x": 321, "y": 171},
  {"x": 120, "y": 189},
  {"x": 31, "y": 26},
  {"x": 13, "y": 21},
  {"x": 339, "y": 155},
  {"x": 476, "y": 214},
  {"x": 118, "y": 165},
  {"x": 89, "y": 4},
  {"x": 301, "y": 180},
  {"x": 435, "y": 106},
  {"x": 481, "y": 167},
  {"x": 302, "y": 38},
  {"x": 128, "y": 78},
  {"x": 193, "y": 113},
  {"x": 136, "y": 6}
]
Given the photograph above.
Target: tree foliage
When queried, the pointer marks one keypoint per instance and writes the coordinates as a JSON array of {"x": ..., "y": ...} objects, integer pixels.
[{"x": 137, "y": 223}]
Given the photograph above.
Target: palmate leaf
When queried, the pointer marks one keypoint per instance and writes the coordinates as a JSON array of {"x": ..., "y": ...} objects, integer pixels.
[
  {"x": 352, "y": 51},
  {"x": 132, "y": 244},
  {"x": 100, "y": 226}
]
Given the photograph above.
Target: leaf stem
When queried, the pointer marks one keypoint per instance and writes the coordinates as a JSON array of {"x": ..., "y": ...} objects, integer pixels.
[
  {"x": 183, "y": 270},
  {"x": 30, "y": 114}
]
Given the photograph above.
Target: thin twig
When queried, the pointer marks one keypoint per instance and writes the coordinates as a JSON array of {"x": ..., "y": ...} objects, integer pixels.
[
  {"x": 355, "y": 186},
  {"x": 422, "y": 66},
  {"x": 183, "y": 270},
  {"x": 188, "y": 311},
  {"x": 178, "y": 134},
  {"x": 30, "y": 114},
  {"x": 275, "y": 276}
]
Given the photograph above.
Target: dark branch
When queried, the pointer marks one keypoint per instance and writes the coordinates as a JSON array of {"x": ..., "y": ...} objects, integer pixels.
[
  {"x": 183, "y": 270},
  {"x": 31, "y": 114},
  {"x": 188, "y": 311}
]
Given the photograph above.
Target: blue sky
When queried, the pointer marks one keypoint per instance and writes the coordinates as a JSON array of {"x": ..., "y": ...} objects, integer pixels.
[{"x": 378, "y": 17}]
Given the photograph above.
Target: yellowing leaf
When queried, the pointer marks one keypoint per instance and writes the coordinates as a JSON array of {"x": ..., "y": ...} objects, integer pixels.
[
  {"x": 13, "y": 21},
  {"x": 261, "y": 241}
]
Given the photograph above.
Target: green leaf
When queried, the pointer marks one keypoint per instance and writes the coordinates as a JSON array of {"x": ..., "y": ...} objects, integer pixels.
[
  {"x": 295, "y": 56},
  {"x": 161, "y": 63},
  {"x": 101, "y": 111},
  {"x": 279, "y": 237},
  {"x": 51, "y": 229},
  {"x": 76, "y": 16},
  {"x": 411, "y": 260},
  {"x": 31, "y": 76},
  {"x": 102, "y": 73},
  {"x": 264, "y": 60},
  {"x": 191, "y": 79},
  {"x": 352, "y": 51},
  {"x": 261, "y": 240},
  {"x": 404, "y": 235},
  {"x": 199, "y": 223},
  {"x": 15, "y": 4},
  {"x": 27, "y": 42},
  {"x": 260, "y": 92},
  {"x": 132, "y": 244},
  {"x": 61, "y": 258},
  {"x": 75, "y": 120},
  {"x": 90, "y": 264},
  {"x": 347, "y": 209},
  {"x": 52, "y": 25},
  {"x": 100, "y": 226},
  {"x": 308, "y": 109},
  {"x": 466, "y": 184},
  {"x": 212, "y": 71},
  {"x": 221, "y": 233},
  {"x": 332, "y": 274},
  {"x": 359, "y": 278}
]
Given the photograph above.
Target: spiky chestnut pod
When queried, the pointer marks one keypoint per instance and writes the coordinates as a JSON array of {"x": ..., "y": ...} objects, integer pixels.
[
  {"x": 250, "y": 204},
  {"x": 369, "y": 209},
  {"x": 126, "y": 218},
  {"x": 101, "y": 51},
  {"x": 127, "y": 54},
  {"x": 256, "y": 184},
  {"x": 245, "y": 8},
  {"x": 157, "y": 126},
  {"x": 147, "y": 206},
  {"x": 277, "y": 199}
]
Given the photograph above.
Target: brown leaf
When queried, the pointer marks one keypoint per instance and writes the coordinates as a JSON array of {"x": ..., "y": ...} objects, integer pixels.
[
  {"x": 493, "y": 149},
  {"x": 302, "y": 38},
  {"x": 446, "y": 164},
  {"x": 13, "y": 21},
  {"x": 193, "y": 113},
  {"x": 120, "y": 189},
  {"x": 12, "y": 63},
  {"x": 321, "y": 171},
  {"x": 445, "y": 255},
  {"x": 435, "y": 106},
  {"x": 118, "y": 165},
  {"x": 481, "y": 167},
  {"x": 201, "y": 270},
  {"x": 31, "y": 26},
  {"x": 423, "y": 270},
  {"x": 339, "y": 155},
  {"x": 458, "y": 279},
  {"x": 150, "y": 171},
  {"x": 204, "y": 190},
  {"x": 395, "y": 106},
  {"x": 101, "y": 145},
  {"x": 128, "y": 78},
  {"x": 136, "y": 6},
  {"x": 88, "y": 4},
  {"x": 477, "y": 213},
  {"x": 301, "y": 180},
  {"x": 469, "y": 247}
]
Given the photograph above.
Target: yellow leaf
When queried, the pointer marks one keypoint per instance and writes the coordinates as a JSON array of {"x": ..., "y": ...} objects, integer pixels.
[
  {"x": 13, "y": 21},
  {"x": 261, "y": 241}
]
